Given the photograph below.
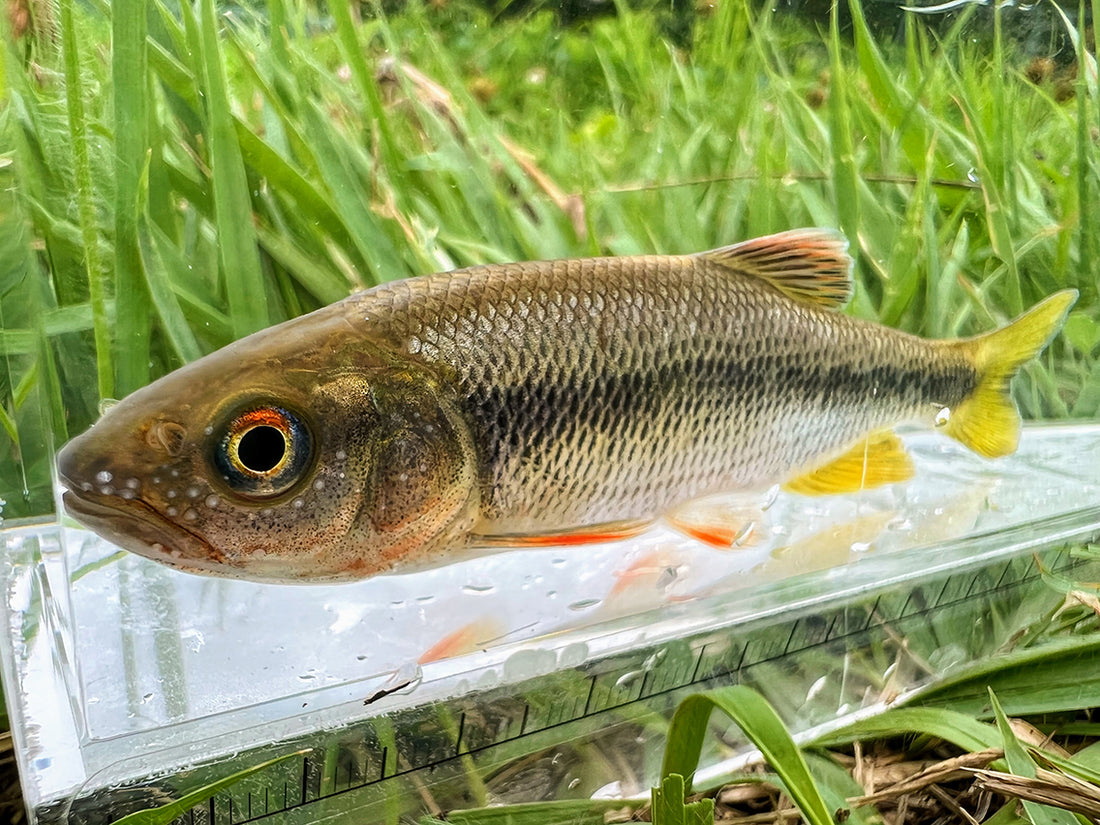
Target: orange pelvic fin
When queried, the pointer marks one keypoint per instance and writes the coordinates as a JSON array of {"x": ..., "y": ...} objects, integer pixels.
[
  {"x": 810, "y": 265},
  {"x": 587, "y": 534},
  {"x": 468, "y": 638},
  {"x": 878, "y": 459},
  {"x": 718, "y": 522}
]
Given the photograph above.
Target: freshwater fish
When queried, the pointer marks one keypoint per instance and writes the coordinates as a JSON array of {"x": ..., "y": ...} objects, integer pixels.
[{"x": 559, "y": 402}]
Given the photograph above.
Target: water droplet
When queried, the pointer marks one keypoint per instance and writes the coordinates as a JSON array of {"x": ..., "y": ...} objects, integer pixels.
[
  {"x": 299, "y": 503},
  {"x": 770, "y": 497},
  {"x": 305, "y": 677},
  {"x": 558, "y": 562},
  {"x": 573, "y": 783},
  {"x": 425, "y": 599},
  {"x": 943, "y": 416},
  {"x": 403, "y": 477},
  {"x": 477, "y": 589},
  {"x": 584, "y": 604},
  {"x": 744, "y": 533},
  {"x": 212, "y": 502},
  {"x": 146, "y": 698},
  {"x": 861, "y": 546},
  {"x": 103, "y": 477},
  {"x": 397, "y": 603},
  {"x": 362, "y": 657},
  {"x": 629, "y": 678}
]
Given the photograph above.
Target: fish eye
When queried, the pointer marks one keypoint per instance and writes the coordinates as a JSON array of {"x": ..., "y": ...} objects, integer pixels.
[{"x": 263, "y": 451}]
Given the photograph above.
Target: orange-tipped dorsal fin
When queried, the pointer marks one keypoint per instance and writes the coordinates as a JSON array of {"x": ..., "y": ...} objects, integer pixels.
[
  {"x": 876, "y": 460},
  {"x": 987, "y": 422},
  {"x": 811, "y": 265},
  {"x": 585, "y": 534}
]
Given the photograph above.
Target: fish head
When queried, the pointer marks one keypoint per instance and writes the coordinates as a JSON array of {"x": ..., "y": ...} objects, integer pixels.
[{"x": 300, "y": 454}]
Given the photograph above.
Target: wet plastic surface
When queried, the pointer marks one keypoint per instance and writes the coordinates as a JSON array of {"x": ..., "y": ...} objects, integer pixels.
[{"x": 118, "y": 670}]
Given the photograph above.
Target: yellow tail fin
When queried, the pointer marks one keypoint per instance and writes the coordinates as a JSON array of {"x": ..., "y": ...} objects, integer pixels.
[{"x": 987, "y": 422}]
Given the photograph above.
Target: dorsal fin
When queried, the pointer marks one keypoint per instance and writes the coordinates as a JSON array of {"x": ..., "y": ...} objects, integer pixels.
[{"x": 809, "y": 265}]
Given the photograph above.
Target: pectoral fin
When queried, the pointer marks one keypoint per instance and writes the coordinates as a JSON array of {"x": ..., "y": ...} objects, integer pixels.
[
  {"x": 876, "y": 460},
  {"x": 586, "y": 534}
]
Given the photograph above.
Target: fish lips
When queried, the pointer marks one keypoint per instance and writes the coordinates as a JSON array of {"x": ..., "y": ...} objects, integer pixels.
[{"x": 135, "y": 526}]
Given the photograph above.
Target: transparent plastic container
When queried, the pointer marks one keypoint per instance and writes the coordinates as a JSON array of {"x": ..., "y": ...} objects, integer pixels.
[{"x": 130, "y": 684}]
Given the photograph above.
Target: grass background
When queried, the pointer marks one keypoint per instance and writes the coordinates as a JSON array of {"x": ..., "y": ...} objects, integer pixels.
[{"x": 174, "y": 177}]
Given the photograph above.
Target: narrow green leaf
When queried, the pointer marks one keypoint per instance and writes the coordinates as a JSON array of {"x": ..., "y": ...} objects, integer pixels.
[
  {"x": 764, "y": 729},
  {"x": 128, "y": 70},
  {"x": 160, "y": 278},
  {"x": 957, "y": 728},
  {"x": 164, "y": 814},
  {"x": 238, "y": 253},
  {"x": 85, "y": 196},
  {"x": 669, "y": 808},
  {"x": 1021, "y": 764}
]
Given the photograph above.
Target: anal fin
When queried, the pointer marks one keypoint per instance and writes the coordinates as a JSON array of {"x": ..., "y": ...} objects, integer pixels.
[
  {"x": 718, "y": 522},
  {"x": 878, "y": 459}
]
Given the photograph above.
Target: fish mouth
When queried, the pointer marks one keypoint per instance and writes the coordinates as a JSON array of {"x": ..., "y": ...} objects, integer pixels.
[{"x": 135, "y": 526}]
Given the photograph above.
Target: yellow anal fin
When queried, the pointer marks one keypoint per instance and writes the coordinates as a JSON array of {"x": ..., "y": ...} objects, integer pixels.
[
  {"x": 586, "y": 534},
  {"x": 809, "y": 265},
  {"x": 987, "y": 422},
  {"x": 878, "y": 459}
]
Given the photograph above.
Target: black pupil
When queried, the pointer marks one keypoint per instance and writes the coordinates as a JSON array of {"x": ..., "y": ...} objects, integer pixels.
[{"x": 261, "y": 448}]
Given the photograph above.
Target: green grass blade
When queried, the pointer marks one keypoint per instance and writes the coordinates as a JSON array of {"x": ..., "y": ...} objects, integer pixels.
[
  {"x": 764, "y": 729},
  {"x": 166, "y": 813},
  {"x": 669, "y": 808},
  {"x": 238, "y": 253},
  {"x": 85, "y": 195},
  {"x": 1021, "y": 764},
  {"x": 959, "y": 729},
  {"x": 128, "y": 69}
]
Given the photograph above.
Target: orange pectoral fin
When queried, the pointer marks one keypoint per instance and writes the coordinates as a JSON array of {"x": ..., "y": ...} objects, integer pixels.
[
  {"x": 878, "y": 459},
  {"x": 588, "y": 534}
]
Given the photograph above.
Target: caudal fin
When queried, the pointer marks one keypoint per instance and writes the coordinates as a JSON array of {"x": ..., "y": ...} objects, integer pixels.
[{"x": 987, "y": 422}]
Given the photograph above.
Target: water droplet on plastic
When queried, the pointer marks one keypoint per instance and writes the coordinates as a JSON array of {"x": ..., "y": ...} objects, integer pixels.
[
  {"x": 972, "y": 175},
  {"x": 307, "y": 676},
  {"x": 629, "y": 678},
  {"x": 943, "y": 416},
  {"x": 478, "y": 589},
  {"x": 584, "y": 604},
  {"x": 770, "y": 497},
  {"x": 573, "y": 783},
  {"x": 860, "y": 546},
  {"x": 557, "y": 562},
  {"x": 425, "y": 599},
  {"x": 146, "y": 698}
]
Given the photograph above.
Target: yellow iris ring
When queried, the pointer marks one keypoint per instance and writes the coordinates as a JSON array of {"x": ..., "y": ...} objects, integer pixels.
[{"x": 245, "y": 424}]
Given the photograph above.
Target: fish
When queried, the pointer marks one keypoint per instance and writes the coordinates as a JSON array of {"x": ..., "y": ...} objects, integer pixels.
[{"x": 442, "y": 417}]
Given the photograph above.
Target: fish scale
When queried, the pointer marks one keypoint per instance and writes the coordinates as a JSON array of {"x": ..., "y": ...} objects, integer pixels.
[{"x": 681, "y": 381}]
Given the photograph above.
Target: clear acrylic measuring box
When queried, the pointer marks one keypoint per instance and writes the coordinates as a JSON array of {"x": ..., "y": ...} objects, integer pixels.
[{"x": 130, "y": 684}]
